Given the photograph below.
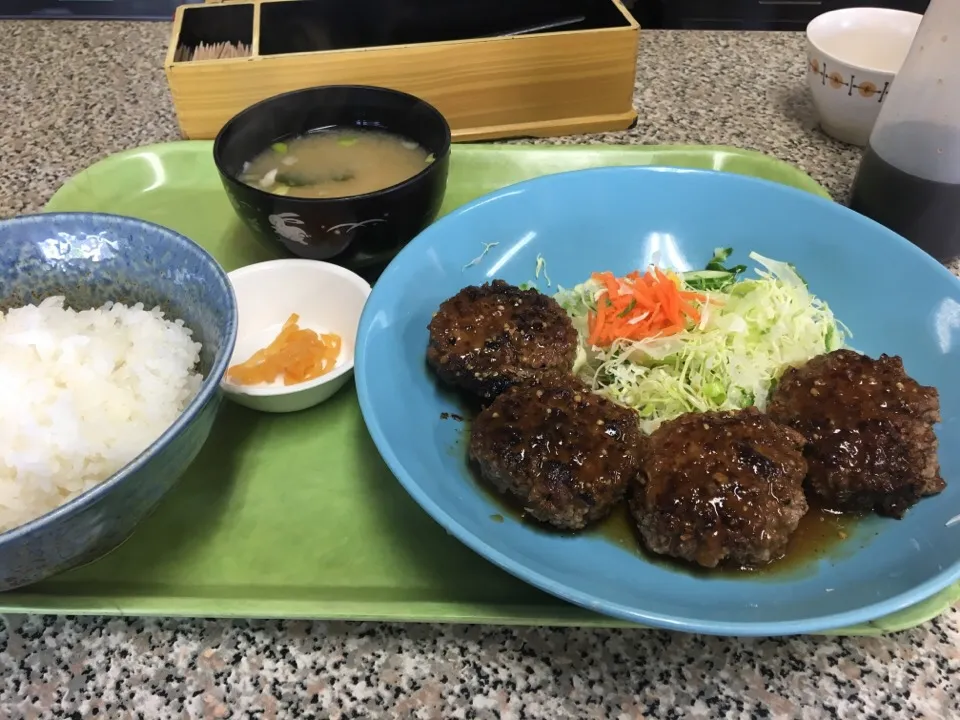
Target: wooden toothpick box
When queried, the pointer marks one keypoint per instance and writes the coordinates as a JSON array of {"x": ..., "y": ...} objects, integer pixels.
[{"x": 567, "y": 67}]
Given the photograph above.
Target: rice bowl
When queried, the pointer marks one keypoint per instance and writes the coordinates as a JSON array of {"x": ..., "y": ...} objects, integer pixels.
[
  {"x": 87, "y": 392},
  {"x": 104, "y": 405}
]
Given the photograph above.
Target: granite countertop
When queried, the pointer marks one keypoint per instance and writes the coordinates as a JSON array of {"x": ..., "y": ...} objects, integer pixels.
[{"x": 73, "y": 93}]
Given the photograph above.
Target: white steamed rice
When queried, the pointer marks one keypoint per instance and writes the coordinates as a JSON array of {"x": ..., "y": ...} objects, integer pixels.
[{"x": 81, "y": 395}]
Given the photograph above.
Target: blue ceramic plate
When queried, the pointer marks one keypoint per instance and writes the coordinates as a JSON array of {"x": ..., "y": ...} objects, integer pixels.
[{"x": 893, "y": 297}]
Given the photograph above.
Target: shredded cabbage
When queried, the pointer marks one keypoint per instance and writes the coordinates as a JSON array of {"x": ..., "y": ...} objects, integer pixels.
[{"x": 750, "y": 331}]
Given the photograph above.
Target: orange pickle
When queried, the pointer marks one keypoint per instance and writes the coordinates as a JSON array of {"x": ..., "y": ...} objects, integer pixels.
[{"x": 296, "y": 355}]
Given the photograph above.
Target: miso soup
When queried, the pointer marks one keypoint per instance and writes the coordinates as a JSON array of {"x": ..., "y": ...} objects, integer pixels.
[{"x": 336, "y": 162}]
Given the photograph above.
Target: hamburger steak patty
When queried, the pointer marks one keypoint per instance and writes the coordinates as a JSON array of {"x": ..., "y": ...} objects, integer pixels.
[
  {"x": 869, "y": 430},
  {"x": 488, "y": 337},
  {"x": 720, "y": 487},
  {"x": 566, "y": 453}
]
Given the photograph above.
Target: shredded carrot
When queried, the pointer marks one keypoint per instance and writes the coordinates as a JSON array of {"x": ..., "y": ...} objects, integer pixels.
[
  {"x": 296, "y": 354},
  {"x": 638, "y": 306}
]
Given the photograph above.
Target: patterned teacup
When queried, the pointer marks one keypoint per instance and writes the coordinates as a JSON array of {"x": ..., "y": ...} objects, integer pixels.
[{"x": 853, "y": 56}]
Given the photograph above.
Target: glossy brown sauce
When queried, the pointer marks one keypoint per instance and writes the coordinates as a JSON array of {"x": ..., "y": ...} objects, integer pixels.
[{"x": 821, "y": 535}]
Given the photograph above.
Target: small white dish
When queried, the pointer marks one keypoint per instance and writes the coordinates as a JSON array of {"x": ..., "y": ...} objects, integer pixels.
[
  {"x": 328, "y": 299},
  {"x": 853, "y": 56}
]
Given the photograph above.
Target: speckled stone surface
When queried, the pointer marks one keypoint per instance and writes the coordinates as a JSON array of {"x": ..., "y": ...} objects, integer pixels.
[
  {"x": 76, "y": 92},
  {"x": 72, "y": 93}
]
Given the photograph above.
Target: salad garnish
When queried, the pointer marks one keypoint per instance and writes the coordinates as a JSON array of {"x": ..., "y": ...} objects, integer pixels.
[
  {"x": 638, "y": 306},
  {"x": 667, "y": 343}
]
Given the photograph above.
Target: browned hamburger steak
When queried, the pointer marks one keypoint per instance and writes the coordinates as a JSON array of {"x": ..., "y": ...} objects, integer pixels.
[
  {"x": 487, "y": 337},
  {"x": 566, "y": 454},
  {"x": 720, "y": 487},
  {"x": 869, "y": 427}
]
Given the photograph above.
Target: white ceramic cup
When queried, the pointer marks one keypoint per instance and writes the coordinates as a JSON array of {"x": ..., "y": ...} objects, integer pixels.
[{"x": 853, "y": 56}]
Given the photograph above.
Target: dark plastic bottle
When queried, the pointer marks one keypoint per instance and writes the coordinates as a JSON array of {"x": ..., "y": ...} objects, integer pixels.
[{"x": 909, "y": 177}]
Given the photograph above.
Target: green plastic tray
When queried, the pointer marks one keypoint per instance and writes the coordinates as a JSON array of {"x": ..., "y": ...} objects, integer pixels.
[{"x": 296, "y": 516}]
